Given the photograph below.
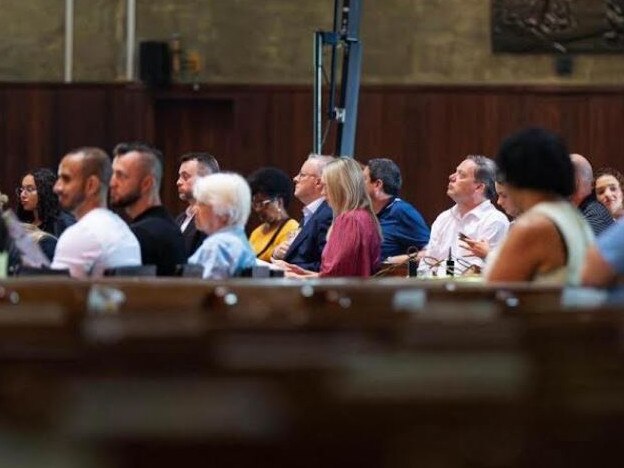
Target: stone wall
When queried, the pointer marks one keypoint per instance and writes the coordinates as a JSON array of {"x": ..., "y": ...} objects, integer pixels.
[{"x": 270, "y": 41}]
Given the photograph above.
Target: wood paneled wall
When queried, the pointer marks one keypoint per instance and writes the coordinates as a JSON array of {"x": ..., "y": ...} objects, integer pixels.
[{"x": 426, "y": 129}]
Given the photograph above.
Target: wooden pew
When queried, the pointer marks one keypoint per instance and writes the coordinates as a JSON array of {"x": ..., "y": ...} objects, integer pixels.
[{"x": 327, "y": 375}]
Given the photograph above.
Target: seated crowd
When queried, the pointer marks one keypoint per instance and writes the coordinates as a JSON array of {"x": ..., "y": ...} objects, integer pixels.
[{"x": 562, "y": 228}]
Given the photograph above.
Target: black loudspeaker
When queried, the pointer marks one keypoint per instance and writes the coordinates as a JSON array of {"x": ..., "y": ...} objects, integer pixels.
[{"x": 154, "y": 63}]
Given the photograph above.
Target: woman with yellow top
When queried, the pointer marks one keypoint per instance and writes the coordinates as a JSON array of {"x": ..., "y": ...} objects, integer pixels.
[{"x": 271, "y": 191}]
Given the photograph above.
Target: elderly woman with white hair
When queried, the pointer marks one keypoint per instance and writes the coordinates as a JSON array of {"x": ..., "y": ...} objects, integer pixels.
[{"x": 222, "y": 208}]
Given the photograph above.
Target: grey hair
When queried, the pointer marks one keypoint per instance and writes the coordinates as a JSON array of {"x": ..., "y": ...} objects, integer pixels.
[
  {"x": 485, "y": 173},
  {"x": 228, "y": 194},
  {"x": 321, "y": 161}
]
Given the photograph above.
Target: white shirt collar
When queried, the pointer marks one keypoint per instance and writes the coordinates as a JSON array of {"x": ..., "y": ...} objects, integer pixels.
[
  {"x": 188, "y": 218},
  {"x": 478, "y": 211},
  {"x": 311, "y": 208}
]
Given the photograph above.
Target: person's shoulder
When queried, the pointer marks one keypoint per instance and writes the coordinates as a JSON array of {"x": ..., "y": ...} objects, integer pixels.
[
  {"x": 444, "y": 216},
  {"x": 602, "y": 212},
  {"x": 291, "y": 224},
  {"x": 533, "y": 226},
  {"x": 82, "y": 231},
  {"x": 65, "y": 219},
  {"x": 353, "y": 218},
  {"x": 614, "y": 233},
  {"x": 324, "y": 209},
  {"x": 74, "y": 229},
  {"x": 102, "y": 222},
  {"x": 491, "y": 213},
  {"x": 228, "y": 242},
  {"x": 401, "y": 207},
  {"x": 157, "y": 221},
  {"x": 257, "y": 232},
  {"x": 99, "y": 215}
]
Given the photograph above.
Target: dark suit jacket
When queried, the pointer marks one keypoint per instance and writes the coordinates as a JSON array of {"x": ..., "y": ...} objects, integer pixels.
[
  {"x": 307, "y": 247},
  {"x": 192, "y": 237}
]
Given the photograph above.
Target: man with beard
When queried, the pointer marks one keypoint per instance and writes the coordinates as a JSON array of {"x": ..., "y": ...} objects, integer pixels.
[
  {"x": 135, "y": 186},
  {"x": 192, "y": 166},
  {"x": 100, "y": 239}
]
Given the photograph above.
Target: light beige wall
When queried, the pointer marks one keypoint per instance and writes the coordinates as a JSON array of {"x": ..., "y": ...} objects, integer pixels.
[{"x": 270, "y": 41}]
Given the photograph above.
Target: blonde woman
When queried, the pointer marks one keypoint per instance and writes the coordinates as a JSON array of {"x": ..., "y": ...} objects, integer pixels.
[{"x": 354, "y": 239}]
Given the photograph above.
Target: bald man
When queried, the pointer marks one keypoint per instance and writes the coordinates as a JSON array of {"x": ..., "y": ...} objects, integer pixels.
[{"x": 584, "y": 197}]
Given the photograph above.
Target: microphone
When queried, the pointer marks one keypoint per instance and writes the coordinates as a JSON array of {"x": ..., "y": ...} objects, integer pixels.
[{"x": 450, "y": 264}]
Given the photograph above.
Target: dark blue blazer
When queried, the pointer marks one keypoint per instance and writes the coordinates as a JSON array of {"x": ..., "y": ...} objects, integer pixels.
[{"x": 307, "y": 247}]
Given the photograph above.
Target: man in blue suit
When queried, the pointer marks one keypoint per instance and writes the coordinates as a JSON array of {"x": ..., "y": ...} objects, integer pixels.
[{"x": 306, "y": 247}]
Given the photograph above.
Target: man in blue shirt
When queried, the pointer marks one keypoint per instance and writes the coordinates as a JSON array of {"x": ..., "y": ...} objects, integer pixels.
[
  {"x": 604, "y": 263},
  {"x": 401, "y": 224}
]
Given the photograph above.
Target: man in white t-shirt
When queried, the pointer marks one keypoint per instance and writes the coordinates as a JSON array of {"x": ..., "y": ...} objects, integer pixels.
[
  {"x": 100, "y": 239},
  {"x": 473, "y": 217}
]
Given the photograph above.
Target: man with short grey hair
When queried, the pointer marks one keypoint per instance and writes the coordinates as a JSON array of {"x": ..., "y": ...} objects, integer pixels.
[
  {"x": 473, "y": 217},
  {"x": 306, "y": 247}
]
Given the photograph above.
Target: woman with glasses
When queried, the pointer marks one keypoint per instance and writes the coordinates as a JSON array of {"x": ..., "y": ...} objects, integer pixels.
[
  {"x": 39, "y": 205},
  {"x": 271, "y": 191}
]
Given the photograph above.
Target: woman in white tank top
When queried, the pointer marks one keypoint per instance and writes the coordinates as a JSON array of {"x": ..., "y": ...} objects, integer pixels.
[{"x": 549, "y": 240}]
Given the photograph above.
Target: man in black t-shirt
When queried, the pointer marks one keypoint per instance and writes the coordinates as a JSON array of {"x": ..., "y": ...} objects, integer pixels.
[{"x": 135, "y": 186}]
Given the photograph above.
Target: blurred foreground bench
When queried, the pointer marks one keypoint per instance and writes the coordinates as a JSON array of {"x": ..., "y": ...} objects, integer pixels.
[{"x": 391, "y": 372}]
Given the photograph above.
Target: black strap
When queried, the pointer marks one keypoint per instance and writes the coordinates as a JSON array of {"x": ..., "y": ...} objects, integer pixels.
[{"x": 273, "y": 237}]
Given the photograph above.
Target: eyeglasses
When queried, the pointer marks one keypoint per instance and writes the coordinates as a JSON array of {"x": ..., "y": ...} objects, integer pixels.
[
  {"x": 259, "y": 204},
  {"x": 28, "y": 189},
  {"x": 303, "y": 174}
]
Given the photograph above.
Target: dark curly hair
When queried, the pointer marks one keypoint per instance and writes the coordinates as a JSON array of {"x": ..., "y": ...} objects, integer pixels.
[
  {"x": 272, "y": 181},
  {"x": 48, "y": 204},
  {"x": 536, "y": 159}
]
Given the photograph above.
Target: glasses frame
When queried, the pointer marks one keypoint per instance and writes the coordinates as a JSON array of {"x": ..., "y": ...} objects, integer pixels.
[
  {"x": 29, "y": 190},
  {"x": 258, "y": 205}
]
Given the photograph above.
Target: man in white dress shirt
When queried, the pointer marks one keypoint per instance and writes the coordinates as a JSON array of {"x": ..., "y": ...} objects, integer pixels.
[
  {"x": 100, "y": 239},
  {"x": 474, "y": 217}
]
